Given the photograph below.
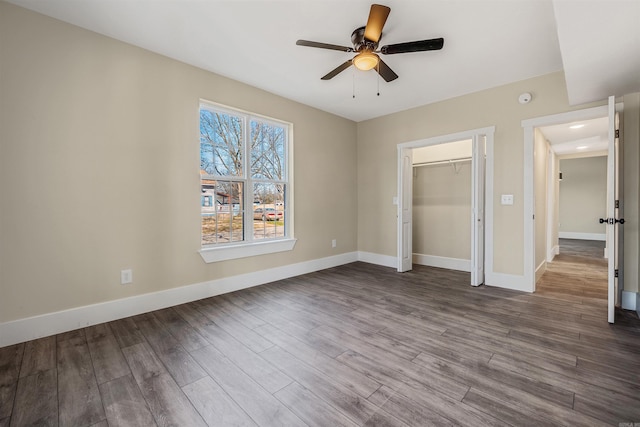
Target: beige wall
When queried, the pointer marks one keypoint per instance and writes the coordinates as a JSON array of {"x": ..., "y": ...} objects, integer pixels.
[
  {"x": 99, "y": 169},
  {"x": 377, "y": 158},
  {"x": 441, "y": 210},
  {"x": 583, "y": 195},
  {"x": 540, "y": 178}
]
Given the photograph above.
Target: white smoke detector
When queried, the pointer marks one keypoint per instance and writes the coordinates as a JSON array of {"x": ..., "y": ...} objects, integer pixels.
[{"x": 524, "y": 98}]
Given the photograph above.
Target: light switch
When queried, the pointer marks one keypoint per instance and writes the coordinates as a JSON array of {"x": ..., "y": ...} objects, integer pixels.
[{"x": 507, "y": 199}]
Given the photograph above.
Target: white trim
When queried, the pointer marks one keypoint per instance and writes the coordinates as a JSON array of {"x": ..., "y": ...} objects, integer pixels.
[
  {"x": 383, "y": 260},
  {"x": 602, "y": 237},
  {"x": 638, "y": 303},
  {"x": 499, "y": 280},
  {"x": 529, "y": 211},
  {"x": 540, "y": 270},
  {"x": 244, "y": 250},
  {"x": 488, "y": 207},
  {"x": 452, "y": 137},
  {"x": 551, "y": 223},
  {"x": 21, "y": 330},
  {"x": 570, "y": 116},
  {"x": 478, "y": 207},
  {"x": 443, "y": 262},
  {"x": 630, "y": 300},
  {"x": 507, "y": 281},
  {"x": 553, "y": 251}
]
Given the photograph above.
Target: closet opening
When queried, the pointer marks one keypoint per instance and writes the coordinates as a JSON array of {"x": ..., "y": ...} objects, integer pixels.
[{"x": 441, "y": 202}]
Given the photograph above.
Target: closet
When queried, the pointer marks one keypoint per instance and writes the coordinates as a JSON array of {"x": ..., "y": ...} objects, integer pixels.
[{"x": 442, "y": 205}]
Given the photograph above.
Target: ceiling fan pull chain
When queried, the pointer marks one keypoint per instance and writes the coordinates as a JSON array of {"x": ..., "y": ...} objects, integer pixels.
[
  {"x": 353, "y": 84},
  {"x": 378, "y": 79}
]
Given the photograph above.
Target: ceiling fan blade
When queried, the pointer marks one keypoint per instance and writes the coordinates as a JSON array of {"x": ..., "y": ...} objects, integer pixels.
[
  {"x": 417, "y": 46},
  {"x": 340, "y": 68},
  {"x": 324, "y": 45},
  {"x": 377, "y": 17},
  {"x": 385, "y": 72}
]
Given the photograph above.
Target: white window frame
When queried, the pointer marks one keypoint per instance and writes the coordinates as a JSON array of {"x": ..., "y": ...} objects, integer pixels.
[{"x": 249, "y": 247}]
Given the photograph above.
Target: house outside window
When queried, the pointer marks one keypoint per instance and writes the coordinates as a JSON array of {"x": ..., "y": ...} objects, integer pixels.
[{"x": 245, "y": 178}]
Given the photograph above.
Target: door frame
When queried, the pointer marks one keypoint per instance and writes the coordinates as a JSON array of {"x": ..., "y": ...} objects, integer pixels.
[
  {"x": 403, "y": 176},
  {"x": 614, "y": 250},
  {"x": 529, "y": 191},
  {"x": 553, "y": 192}
]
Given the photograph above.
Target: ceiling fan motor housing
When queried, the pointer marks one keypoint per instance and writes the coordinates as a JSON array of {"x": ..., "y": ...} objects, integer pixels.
[{"x": 360, "y": 43}]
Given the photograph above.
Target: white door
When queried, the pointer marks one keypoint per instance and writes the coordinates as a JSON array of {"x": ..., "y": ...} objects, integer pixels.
[
  {"x": 612, "y": 210},
  {"x": 477, "y": 211},
  {"x": 405, "y": 209}
]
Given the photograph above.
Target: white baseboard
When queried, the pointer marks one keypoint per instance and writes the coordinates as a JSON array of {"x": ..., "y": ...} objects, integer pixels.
[
  {"x": 582, "y": 236},
  {"x": 384, "y": 260},
  {"x": 30, "y": 328},
  {"x": 500, "y": 280},
  {"x": 507, "y": 281},
  {"x": 630, "y": 300},
  {"x": 552, "y": 253},
  {"x": 540, "y": 270},
  {"x": 443, "y": 262}
]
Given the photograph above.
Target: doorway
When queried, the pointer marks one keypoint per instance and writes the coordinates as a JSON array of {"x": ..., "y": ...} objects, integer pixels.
[
  {"x": 574, "y": 263},
  {"x": 481, "y": 161},
  {"x": 537, "y": 194}
]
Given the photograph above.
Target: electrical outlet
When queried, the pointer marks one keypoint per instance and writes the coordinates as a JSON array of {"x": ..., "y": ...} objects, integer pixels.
[
  {"x": 334, "y": 243},
  {"x": 126, "y": 276}
]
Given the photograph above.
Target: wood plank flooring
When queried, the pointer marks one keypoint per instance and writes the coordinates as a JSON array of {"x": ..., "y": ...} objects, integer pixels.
[
  {"x": 353, "y": 345},
  {"x": 580, "y": 269}
]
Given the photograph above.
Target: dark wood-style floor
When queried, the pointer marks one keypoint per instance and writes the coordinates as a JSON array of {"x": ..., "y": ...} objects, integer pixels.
[{"x": 353, "y": 345}]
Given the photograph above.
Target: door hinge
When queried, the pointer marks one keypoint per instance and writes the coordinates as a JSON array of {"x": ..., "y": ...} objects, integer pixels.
[
  {"x": 617, "y": 204},
  {"x": 617, "y": 133},
  {"x": 615, "y": 274}
]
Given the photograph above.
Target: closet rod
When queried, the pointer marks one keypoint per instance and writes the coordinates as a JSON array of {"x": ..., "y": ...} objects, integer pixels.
[{"x": 443, "y": 162}]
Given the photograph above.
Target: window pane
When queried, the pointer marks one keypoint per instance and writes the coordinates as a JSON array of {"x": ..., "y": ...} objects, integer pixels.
[
  {"x": 220, "y": 144},
  {"x": 222, "y": 219},
  {"x": 268, "y": 211},
  {"x": 267, "y": 151},
  {"x": 243, "y": 167}
]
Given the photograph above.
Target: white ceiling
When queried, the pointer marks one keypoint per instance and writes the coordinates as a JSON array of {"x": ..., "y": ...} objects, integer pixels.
[
  {"x": 487, "y": 43},
  {"x": 600, "y": 47},
  {"x": 592, "y": 137}
]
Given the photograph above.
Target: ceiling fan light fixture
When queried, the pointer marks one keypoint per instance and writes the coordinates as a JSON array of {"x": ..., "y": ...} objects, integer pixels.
[{"x": 365, "y": 61}]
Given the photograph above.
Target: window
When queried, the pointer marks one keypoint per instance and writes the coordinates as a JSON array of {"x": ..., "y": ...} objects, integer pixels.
[{"x": 245, "y": 178}]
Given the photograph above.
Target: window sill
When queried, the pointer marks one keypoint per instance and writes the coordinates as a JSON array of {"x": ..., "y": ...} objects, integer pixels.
[{"x": 244, "y": 250}]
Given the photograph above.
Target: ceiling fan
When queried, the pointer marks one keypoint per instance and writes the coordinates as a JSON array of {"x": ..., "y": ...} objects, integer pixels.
[{"x": 365, "y": 42}]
